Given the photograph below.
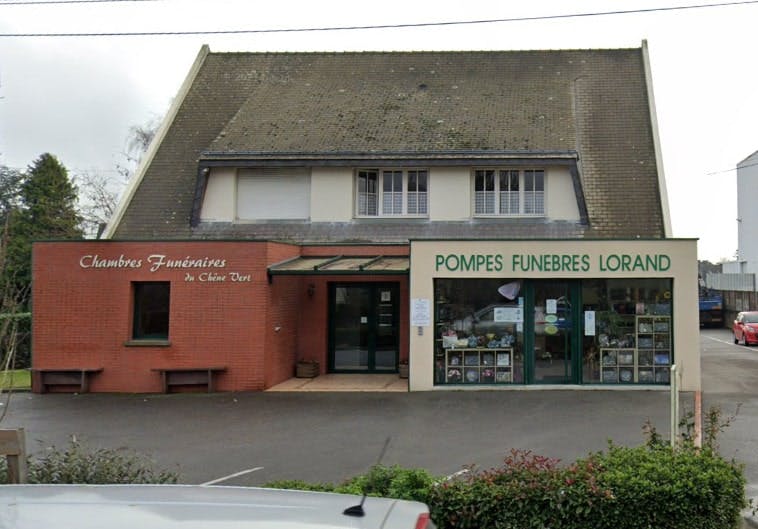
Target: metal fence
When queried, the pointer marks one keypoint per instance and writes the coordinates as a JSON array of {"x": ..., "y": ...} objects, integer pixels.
[
  {"x": 738, "y": 292},
  {"x": 725, "y": 282}
]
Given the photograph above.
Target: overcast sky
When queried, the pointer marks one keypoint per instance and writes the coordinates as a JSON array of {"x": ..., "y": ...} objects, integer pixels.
[{"x": 77, "y": 97}]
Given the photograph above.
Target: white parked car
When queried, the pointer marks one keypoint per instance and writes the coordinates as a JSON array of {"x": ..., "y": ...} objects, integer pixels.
[{"x": 195, "y": 507}]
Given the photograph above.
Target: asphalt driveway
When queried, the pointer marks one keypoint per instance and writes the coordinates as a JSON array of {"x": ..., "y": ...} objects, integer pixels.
[{"x": 252, "y": 438}]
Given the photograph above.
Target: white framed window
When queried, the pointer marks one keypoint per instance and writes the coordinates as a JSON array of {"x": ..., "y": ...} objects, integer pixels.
[
  {"x": 484, "y": 192},
  {"x": 368, "y": 198},
  {"x": 509, "y": 192},
  {"x": 534, "y": 192},
  {"x": 392, "y": 192},
  {"x": 418, "y": 193}
]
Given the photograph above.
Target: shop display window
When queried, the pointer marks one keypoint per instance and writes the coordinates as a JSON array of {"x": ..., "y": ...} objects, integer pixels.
[
  {"x": 630, "y": 340},
  {"x": 479, "y": 331},
  {"x": 496, "y": 331}
]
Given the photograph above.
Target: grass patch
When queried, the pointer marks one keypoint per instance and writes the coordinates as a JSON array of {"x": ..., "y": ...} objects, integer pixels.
[{"x": 15, "y": 379}]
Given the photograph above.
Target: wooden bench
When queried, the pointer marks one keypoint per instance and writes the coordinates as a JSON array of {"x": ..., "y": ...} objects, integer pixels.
[
  {"x": 44, "y": 377},
  {"x": 185, "y": 376},
  {"x": 13, "y": 447}
]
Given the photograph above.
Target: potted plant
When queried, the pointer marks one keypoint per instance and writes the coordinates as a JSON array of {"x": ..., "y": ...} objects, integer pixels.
[
  {"x": 307, "y": 369},
  {"x": 403, "y": 369}
]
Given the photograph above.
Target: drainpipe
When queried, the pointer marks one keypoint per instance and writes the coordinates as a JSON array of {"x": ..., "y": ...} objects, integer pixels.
[
  {"x": 699, "y": 419},
  {"x": 674, "y": 406}
]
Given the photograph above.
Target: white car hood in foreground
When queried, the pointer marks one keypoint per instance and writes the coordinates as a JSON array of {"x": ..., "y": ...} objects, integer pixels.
[{"x": 190, "y": 507}]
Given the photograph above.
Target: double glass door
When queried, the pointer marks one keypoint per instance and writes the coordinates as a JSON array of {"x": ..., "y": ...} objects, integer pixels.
[
  {"x": 363, "y": 327},
  {"x": 553, "y": 360}
]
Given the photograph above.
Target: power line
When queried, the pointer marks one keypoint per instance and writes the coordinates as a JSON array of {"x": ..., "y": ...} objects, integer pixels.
[
  {"x": 734, "y": 169},
  {"x": 53, "y": 2},
  {"x": 357, "y": 28}
]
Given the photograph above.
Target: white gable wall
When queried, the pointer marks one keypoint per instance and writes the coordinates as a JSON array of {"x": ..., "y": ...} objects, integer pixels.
[
  {"x": 450, "y": 193},
  {"x": 747, "y": 213},
  {"x": 560, "y": 198},
  {"x": 218, "y": 203},
  {"x": 332, "y": 195}
]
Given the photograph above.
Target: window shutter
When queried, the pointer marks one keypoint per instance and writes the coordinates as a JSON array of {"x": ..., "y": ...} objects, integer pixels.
[{"x": 273, "y": 193}]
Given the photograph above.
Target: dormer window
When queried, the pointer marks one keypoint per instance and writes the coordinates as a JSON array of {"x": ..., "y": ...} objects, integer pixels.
[
  {"x": 392, "y": 192},
  {"x": 509, "y": 192}
]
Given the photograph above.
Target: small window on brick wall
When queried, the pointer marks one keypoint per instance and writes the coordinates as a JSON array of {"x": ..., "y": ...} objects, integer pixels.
[{"x": 151, "y": 310}]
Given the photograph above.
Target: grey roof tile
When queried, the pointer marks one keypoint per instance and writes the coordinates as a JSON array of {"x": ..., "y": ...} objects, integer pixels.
[
  {"x": 394, "y": 231},
  {"x": 593, "y": 102}
]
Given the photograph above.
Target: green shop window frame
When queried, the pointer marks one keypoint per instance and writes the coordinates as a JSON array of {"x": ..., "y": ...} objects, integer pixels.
[{"x": 632, "y": 342}]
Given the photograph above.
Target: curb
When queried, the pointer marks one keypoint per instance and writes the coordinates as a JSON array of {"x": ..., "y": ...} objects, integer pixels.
[{"x": 750, "y": 516}]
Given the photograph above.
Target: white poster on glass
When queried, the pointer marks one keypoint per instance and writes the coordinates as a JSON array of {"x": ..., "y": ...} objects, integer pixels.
[
  {"x": 551, "y": 306},
  {"x": 589, "y": 323},
  {"x": 508, "y": 314}
]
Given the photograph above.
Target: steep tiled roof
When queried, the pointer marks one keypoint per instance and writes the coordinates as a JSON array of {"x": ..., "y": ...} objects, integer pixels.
[
  {"x": 242, "y": 105},
  {"x": 430, "y": 101}
]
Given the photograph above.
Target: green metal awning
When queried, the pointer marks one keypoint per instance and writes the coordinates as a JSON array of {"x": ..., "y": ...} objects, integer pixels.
[{"x": 341, "y": 264}]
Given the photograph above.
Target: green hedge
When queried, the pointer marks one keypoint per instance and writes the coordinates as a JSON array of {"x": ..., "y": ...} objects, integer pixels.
[
  {"x": 648, "y": 487},
  {"x": 79, "y": 464},
  {"x": 380, "y": 480},
  {"x": 527, "y": 491},
  {"x": 23, "y": 336},
  {"x": 669, "y": 488}
]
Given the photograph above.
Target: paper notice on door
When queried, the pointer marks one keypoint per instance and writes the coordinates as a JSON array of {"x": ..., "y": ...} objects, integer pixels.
[
  {"x": 589, "y": 323},
  {"x": 421, "y": 312},
  {"x": 551, "y": 306}
]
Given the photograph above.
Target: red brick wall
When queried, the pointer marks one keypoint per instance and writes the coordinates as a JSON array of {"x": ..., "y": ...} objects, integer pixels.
[
  {"x": 82, "y": 317},
  {"x": 355, "y": 250},
  {"x": 282, "y": 317}
]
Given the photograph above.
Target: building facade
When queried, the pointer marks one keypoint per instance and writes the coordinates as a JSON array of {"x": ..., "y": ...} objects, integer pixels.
[
  {"x": 736, "y": 282},
  {"x": 547, "y": 313},
  {"x": 365, "y": 210},
  {"x": 747, "y": 219}
]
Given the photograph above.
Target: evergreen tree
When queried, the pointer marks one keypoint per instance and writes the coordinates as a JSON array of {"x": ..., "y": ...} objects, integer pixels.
[
  {"x": 43, "y": 208},
  {"x": 47, "y": 210},
  {"x": 14, "y": 324},
  {"x": 48, "y": 200},
  {"x": 10, "y": 182}
]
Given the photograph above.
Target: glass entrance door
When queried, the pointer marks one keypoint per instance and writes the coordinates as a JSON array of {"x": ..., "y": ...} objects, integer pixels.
[
  {"x": 553, "y": 361},
  {"x": 363, "y": 327}
]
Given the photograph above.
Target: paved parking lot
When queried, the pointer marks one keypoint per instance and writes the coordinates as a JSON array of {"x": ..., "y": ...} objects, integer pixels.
[
  {"x": 331, "y": 436},
  {"x": 730, "y": 381}
]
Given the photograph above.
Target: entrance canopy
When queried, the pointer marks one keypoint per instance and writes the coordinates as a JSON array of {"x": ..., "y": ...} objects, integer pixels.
[{"x": 341, "y": 264}]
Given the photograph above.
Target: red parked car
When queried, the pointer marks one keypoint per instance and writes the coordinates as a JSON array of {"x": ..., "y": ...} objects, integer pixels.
[{"x": 745, "y": 328}]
